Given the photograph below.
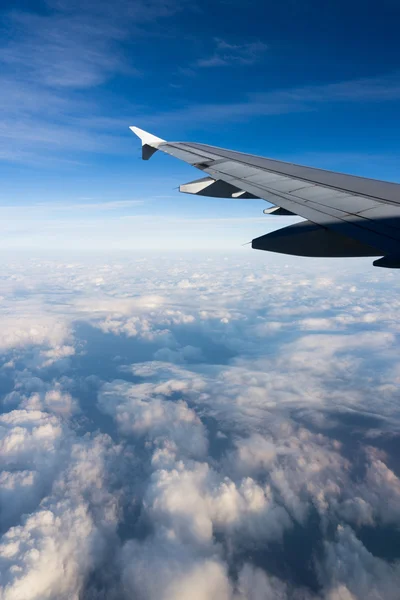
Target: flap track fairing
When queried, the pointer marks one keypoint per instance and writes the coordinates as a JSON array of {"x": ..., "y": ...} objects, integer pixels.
[{"x": 215, "y": 188}]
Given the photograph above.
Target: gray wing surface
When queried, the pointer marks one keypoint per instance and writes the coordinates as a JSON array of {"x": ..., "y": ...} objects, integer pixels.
[{"x": 345, "y": 215}]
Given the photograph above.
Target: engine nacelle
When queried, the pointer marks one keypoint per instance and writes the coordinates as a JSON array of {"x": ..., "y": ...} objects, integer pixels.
[{"x": 309, "y": 239}]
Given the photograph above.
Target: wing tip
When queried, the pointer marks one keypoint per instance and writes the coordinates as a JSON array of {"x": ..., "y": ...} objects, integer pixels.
[
  {"x": 150, "y": 142},
  {"x": 146, "y": 138}
]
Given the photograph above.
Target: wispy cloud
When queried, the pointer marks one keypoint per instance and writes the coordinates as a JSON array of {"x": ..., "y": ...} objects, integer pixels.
[
  {"x": 75, "y": 45},
  {"x": 227, "y": 54},
  {"x": 385, "y": 87},
  {"x": 299, "y": 99},
  {"x": 29, "y": 135},
  {"x": 61, "y": 51},
  {"x": 50, "y": 61},
  {"x": 53, "y": 66}
]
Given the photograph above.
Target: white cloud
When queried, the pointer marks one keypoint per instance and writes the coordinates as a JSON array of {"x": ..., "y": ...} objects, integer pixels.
[
  {"x": 254, "y": 584},
  {"x": 54, "y": 401},
  {"x": 56, "y": 490},
  {"x": 353, "y": 572},
  {"x": 151, "y": 571},
  {"x": 29, "y": 436},
  {"x": 143, "y": 409},
  {"x": 222, "y": 436},
  {"x": 35, "y": 330},
  {"x": 49, "y": 554}
]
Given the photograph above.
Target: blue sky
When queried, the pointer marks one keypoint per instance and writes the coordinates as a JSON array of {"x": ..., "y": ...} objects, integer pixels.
[{"x": 314, "y": 83}]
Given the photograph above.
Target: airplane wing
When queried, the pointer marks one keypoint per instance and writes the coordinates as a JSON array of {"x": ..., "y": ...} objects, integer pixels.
[{"x": 345, "y": 215}]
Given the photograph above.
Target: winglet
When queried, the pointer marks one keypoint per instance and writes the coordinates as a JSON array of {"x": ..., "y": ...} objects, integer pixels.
[{"x": 149, "y": 141}]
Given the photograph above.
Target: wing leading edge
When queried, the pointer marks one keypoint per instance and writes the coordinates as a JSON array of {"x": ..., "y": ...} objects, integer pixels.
[{"x": 346, "y": 215}]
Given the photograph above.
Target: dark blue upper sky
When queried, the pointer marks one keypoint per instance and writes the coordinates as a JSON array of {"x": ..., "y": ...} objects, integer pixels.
[{"x": 315, "y": 82}]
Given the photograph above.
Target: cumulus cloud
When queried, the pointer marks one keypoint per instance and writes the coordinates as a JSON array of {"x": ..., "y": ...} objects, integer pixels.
[
  {"x": 49, "y": 554},
  {"x": 143, "y": 410},
  {"x": 34, "y": 393},
  {"x": 353, "y": 572},
  {"x": 55, "y": 488},
  {"x": 222, "y": 438},
  {"x": 152, "y": 571},
  {"x": 54, "y": 401},
  {"x": 35, "y": 330}
]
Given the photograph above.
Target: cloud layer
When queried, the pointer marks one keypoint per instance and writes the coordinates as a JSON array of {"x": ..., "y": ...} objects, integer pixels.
[{"x": 204, "y": 428}]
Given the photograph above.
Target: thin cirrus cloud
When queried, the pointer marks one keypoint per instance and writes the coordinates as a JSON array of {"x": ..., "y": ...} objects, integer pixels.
[
  {"x": 54, "y": 61},
  {"x": 292, "y": 100},
  {"x": 76, "y": 45},
  {"x": 32, "y": 136},
  {"x": 227, "y": 54}
]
